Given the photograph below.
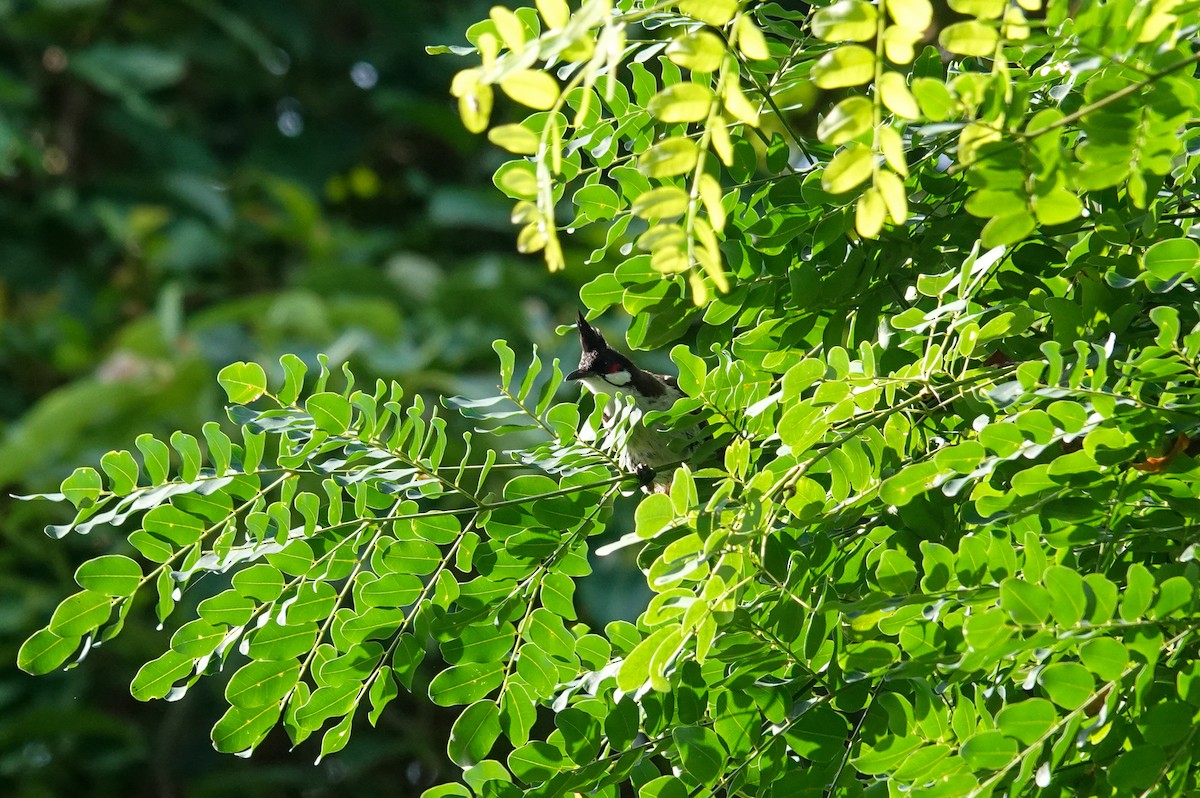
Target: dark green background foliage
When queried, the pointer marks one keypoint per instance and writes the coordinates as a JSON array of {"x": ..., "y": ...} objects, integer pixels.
[
  {"x": 155, "y": 224},
  {"x": 933, "y": 270}
]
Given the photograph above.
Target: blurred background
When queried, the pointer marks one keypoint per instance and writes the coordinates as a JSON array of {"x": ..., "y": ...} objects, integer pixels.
[{"x": 191, "y": 183}]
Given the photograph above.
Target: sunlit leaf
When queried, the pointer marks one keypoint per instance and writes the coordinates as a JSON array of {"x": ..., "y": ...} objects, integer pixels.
[
  {"x": 243, "y": 382},
  {"x": 848, "y": 65},
  {"x": 682, "y": 102}
]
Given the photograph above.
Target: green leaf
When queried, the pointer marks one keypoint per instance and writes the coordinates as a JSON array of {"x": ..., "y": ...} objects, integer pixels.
[
  {"x": 1027, "y": 604},
  {"x": 122, "y": 471},
  {"x": 901, "y": 488},
  {"x": 1008, "y": 229},
  {"x": 602, "y": 293},
  {"x": 274, "y": 641},
  {"x": 1173, "y": 257},
  {"x": 846, "y": 20},
  {"x": 156, "y": 678},
  {"x": 1138, "y": 593},
  {"x": 849, "y": 119},
  {"x": 969, "y": 38},
  {"x": 327, "y": 701},
  {"x": 44, "y": 651},
  {"x": 409, "y": 557},
  {"x": 714, "y": 12},
  {"x": 229, "y": 609},
  {"x": 518, "y": 712},
  {"x": 391, "y": 590},
  {"x": 916, "y": 15},
  {"x": 189, "y": 452},
  {"x": 581, "y": 734},
  {"x": 962, "y": 458},
  {"x": 241, "y": 729},
  {"x": 156, "y": 457},
  {"x": 981, "y": 9},
  {"x": 635, "y": 669},
  {"x": 751, "y": 40},
  {"x": 699, "y": 51},
  {"x": 531, "y": 87},
  {"x": 330, "y": 412},
  {"x": 381, "y": 693},
  {"x": 989, "y": 750},
  {"x": 1027, "y": 721},
  {"x": 886, "y": 754},
  {"x": 465, "y": 684},
  {"x": 1058, "y": 206},
  {"x": 936, "y": 101},
  {"x": 819, "y": 734},
  {"x": 664, "y": 787},
  {"x": 700, "y": 751},
  {"x": 669, "y": 157},
  {"x": 517, "y": 179},
  {"x": 485, "y": 772},
  {"x": 897, "y": 97},
  {"x": 450, "y": 790},
  {"x": 597, "y": 203},
  {"x": 621, "y": 726},
  {"x": 986, "y": 629},
  {"x": 535, "y": 762},
  {"x": 517, "y": 139},
  {"x": 849, "y": 169},
  {"x": 260, "y": 581},
  {"x": 1174, "y": 594},
  {"x": 82, "y": 487},
  {"x": 1067, "y": 684},
  {"x": 665, "y": 202},
  {"x": 294, "y": 370},
  {"x": 337, "y": 737},
  {"x": 653, "y": 515},
  {"x": 895, "y": 572},
  {"x": 1104, "y": 657},
  {"x": 547, "y": 631},
  {"x": 174, "y": 525},
  {"x": 123, "y": 69},
  {"x": 80, "y": 613},
  {"x": 110, "y": 575},
  {"x": 848, "y": 65},
  {"x": 681, "y": 102},
  {"x": 1068, "y": 600},
  {"x": 869, "y": 213},
  {"x": 474, "y": 733},
  {"x": 692, "y": 370},
  {"x": 243, "y": 382},
  {"x": 1166, "y": 723},
  {"x": 555, "y": 12},
  {"x": 1137, "y": 769},
  {"x": 260, "y": 683},
  {"x": 197, "y": 639}
]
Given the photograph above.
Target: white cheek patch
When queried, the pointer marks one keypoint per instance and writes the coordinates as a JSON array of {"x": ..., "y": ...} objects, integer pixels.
[
  {"x": 618, "y": 378},
  {"x": 598, "y": 385}
]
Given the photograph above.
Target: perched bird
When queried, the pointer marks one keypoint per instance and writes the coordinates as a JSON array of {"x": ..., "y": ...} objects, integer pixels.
[{"x": 603, "y": 370}]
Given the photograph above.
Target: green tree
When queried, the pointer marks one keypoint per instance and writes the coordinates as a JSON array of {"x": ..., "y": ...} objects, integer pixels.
[{"x": 943, "y": 340}]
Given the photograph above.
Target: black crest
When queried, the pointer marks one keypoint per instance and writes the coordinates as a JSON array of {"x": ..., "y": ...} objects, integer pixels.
[
  {"x": 590, "y": 339},
  {"x": 596, "y": 358}
]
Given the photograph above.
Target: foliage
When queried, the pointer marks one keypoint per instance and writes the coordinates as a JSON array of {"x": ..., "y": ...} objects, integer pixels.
[
  {"x": 156, "y": 223},
  {"x": 949, "y": 546}
]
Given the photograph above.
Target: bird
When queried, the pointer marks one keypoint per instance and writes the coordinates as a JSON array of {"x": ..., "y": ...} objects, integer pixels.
[{"x": 603, "y": 370}]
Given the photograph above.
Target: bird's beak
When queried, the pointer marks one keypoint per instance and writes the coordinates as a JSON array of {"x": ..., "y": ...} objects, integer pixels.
[{"x": 577, "y": 374}]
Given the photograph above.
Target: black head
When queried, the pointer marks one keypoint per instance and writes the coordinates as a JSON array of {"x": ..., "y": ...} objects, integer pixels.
[{"x": 597, "y": 360}]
